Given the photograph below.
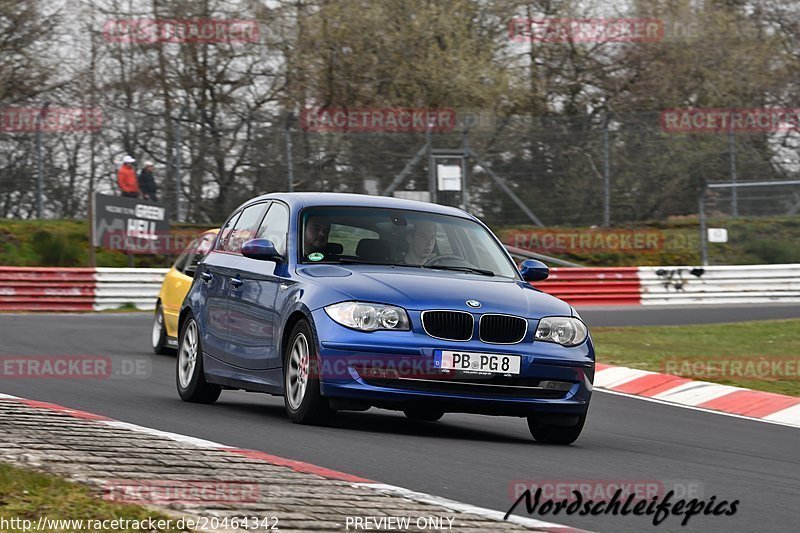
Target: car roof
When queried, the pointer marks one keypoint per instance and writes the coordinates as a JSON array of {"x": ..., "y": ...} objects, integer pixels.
[{"x": 299, "y": 200}]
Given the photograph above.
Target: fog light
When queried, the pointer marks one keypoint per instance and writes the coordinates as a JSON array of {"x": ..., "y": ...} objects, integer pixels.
[{"x": 556, "y": 385}]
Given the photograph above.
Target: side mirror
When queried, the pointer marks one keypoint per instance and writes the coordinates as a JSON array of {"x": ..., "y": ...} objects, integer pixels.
[
  {"x": 533, "y": 270},
  {"x": 262, "y": 249}
]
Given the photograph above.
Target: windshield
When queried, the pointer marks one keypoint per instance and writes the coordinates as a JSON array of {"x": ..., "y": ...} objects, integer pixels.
[{"x": 399, "y": 237}]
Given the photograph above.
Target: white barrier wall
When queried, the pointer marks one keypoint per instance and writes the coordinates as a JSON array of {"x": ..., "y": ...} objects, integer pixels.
[
  {"x": 686, "y": 285},
  {"x": 115, "y": 287}
]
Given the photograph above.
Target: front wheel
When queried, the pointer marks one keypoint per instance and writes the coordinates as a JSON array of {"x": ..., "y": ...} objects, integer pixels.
[
  {"x": 302, "y": 397},
  {"x": 191, "y": 380},
  {"x": 555, "y": 434}
]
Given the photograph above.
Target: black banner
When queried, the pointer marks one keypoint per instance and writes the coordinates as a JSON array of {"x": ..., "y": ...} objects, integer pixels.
[{"x": 132, "y": 225}]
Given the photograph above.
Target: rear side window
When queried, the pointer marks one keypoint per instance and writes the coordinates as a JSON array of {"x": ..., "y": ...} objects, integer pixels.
[
  {"x": 245, "y": 228},
  {"x": 276, "y": 226}
]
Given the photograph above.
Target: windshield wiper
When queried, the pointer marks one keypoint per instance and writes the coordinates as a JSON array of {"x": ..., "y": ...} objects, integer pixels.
[{"x": 471, "y": 270}]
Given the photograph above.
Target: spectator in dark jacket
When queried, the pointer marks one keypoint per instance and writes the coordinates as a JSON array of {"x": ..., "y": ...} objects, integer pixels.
[{"x": 147, "y": 182}]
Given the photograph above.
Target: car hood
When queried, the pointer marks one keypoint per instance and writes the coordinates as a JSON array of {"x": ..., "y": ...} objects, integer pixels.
[{"x": 432, "y": 289}]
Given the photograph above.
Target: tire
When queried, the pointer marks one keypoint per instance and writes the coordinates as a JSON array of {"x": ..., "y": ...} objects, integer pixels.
[
  {"x": 189, "y": 375},
  {"x": 553, "y": 434},
  {"x": 159, "y": 333},
  {"x": 302, "y": 397},
  {"x": 423, "y": 415}
]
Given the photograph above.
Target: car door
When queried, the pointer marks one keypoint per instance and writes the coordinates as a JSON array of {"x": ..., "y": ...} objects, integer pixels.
[
  {"x": 250, "y": 297},
  {"x": 213, "y": 277}
]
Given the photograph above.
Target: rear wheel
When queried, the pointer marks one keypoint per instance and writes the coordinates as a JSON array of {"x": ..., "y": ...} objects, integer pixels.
[
  {"x": 159, "y": 332},
  {"x": 555, "y": 434},
  {"x": 423, "y": 415},
  {"x": 302, "y": 397},
  {"x": 191, "y": 380}
]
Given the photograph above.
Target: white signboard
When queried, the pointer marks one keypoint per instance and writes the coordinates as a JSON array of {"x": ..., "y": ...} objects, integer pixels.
[
  {"x": 449, "y": 177},
  {"x": 717, "y": 235}
]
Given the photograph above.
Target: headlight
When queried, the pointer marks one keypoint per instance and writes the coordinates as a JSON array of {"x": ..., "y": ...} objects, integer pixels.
[
  {"x": 368, "y": 317},
  {"x": 565, "y": 331}
]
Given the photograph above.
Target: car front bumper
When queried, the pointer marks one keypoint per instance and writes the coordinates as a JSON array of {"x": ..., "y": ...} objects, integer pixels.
[{"x": 396, "y": 370}]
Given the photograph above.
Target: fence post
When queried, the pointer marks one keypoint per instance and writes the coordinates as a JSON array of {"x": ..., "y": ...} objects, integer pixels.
[
  {"x": 703, "y": 232},
  {"x": 734, "y": 193},
  {"x": 432, "y": 185},
  {"x": 40, "y": 161},
  {"x": 606, "y": 176}
]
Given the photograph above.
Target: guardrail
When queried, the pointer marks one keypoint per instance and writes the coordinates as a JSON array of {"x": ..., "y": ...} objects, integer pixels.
[
  {"x": 78, "y": 289},
  {"x": 46, "y": 289},
  {"x": 87, "y": 289},
  {"x": 720, "y": 284},
  {"x": 117, "y": 287},
  {"x": 594, "y": 286}
]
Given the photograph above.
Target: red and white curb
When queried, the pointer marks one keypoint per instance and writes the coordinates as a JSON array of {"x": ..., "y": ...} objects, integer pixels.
[
  {"x": 302, "y": 467},
  {"x": 702, "y": 395}
]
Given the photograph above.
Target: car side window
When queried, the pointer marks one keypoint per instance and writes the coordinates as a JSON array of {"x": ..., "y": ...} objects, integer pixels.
[
  {"x": 182, "y": 260},
  {"x": 245, "y": 228},
  {"x": 225, "y": 232},
  {"x": 276, "y": 226},
  {"x": 199, "y": 250}
]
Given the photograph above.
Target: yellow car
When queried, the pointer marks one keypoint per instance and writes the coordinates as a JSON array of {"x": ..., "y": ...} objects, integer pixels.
[{"x": 173, "y": 290}]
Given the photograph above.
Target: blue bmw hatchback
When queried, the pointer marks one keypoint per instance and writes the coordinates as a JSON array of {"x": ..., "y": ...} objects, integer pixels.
[{"x": 346, "y": 302}]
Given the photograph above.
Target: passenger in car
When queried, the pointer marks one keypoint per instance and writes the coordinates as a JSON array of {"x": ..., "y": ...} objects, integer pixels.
[{"x": 421, "y": 242}]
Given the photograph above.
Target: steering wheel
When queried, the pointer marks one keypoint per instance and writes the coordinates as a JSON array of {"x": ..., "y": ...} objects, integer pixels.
[{"x": 439, "y": 259}]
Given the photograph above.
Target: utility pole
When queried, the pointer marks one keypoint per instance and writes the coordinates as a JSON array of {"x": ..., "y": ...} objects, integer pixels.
[
  {"x": 178, "y": 163},
  {"x": 287, "y": 133},
  {"x": 464, "y": 170},
  {"x": 40, "y": 161}
]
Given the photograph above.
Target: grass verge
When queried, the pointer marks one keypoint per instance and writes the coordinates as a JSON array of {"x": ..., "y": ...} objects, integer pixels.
[
  {"x": 25, "y": 494},
  {"x": 664, "y": 348}
]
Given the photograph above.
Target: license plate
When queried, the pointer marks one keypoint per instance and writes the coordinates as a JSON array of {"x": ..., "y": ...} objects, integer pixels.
[{"x": 477, "y": 362}]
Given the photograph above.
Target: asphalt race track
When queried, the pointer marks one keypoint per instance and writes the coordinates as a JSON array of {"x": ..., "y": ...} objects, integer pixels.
[{"x": 464, "y": 457}]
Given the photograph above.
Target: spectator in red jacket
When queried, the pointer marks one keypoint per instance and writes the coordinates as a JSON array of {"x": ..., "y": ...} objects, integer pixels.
[{"x": 126, "y": 178}]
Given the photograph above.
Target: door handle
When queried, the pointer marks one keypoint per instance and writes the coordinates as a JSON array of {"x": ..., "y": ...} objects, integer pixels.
[
  {"x": 206, "y": 275},
  {"x": 236, "y": 282}
]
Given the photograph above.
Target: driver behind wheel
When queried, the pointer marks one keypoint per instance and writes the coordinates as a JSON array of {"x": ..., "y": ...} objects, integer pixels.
[{"x": 421, "y": 242}]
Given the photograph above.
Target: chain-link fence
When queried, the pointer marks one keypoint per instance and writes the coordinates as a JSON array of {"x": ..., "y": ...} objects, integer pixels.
[{"x": 595, "y": 170}]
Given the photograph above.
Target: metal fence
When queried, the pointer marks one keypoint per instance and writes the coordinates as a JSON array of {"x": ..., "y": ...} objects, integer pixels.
[{"x": 593, "y": 170}]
